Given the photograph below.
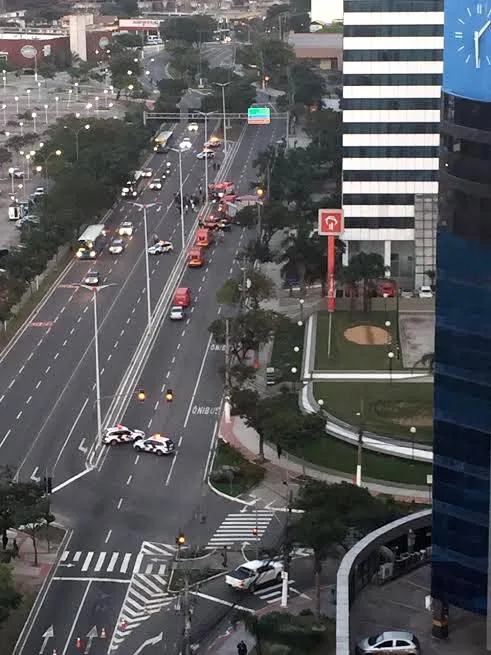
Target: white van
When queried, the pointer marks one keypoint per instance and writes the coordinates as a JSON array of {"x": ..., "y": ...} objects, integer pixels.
[{"x": 154, "y": 39}]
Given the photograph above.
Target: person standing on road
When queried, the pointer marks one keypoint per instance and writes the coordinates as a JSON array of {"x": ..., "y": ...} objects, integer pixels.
[{"x": 241, "y": 648}]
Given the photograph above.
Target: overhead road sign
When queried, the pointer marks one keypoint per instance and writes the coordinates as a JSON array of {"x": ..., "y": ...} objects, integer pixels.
[{"x": 259, "y": 116}]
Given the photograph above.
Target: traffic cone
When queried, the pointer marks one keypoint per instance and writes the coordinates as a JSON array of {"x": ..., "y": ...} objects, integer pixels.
[
  {"x": 103, "y": 633},
  {"x": 123, "y": 624},
  {"x": 78, "y": 643},
  {"x": 54, "y": 651}
]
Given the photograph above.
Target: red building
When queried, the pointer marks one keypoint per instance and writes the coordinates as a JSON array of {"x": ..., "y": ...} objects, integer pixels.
[{"x": 26, "y": 50}]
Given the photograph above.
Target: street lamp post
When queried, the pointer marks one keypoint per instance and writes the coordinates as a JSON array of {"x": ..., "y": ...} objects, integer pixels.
[
  {"x": 76, "y": 134},
  {"x": 46, "y": 113},
  {"x": 21, "y": 125},
  {"x": 16, "y": 99},
  {"x": 359, "y": 453},
  {"x": 28, "y": 98},
  {"x": 57, "y": 111},
  {"x": 387, "y": 329},
  {"x": 46, "y": 159},
  {"x": 39, "y": 90},
  {"x": 301, "y": 302},
  {"x": 183, "y": 235},
  {"x": 390, "y": 355},
  {"x": 4, "y": 108},
  {"x": 412, "y": 430},
  {"x": 206, "y": 114},
  {"x": 70, "y": 93},
  {"x": 147, "y": 263},
  {"x": 223, "y": 85},
  {"x": 34, "y": 115},
  {"x": 28, "y": 159},
  {"x": 11, "y": 173}
]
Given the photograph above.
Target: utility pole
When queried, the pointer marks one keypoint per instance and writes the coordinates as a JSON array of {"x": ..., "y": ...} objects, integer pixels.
[
  {"x": 286, "y": 554},
  {"x": 188, "y": 612}
]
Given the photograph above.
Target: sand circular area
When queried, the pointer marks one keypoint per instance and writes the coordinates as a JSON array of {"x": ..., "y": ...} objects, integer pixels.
[{"x": 368, "y": 335}]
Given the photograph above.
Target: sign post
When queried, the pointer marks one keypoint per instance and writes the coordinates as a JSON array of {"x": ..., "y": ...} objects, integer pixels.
[{"x": 331, "y": 225}]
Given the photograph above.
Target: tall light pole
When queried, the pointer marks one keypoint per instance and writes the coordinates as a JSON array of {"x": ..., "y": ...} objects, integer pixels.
[
  {"x": 223, "y": 85},
  {"x": 206, "y": 114},
  {"x": 16, "y": 99},
  {"x": 4, "y": 108},
  {"x": 147, "y": 263},
  {"x": 183, "y": 234},
  {"x": 11, "y": 173},
  {"x": 46, "y": 159},
  {"x": 95, "y": 290},
  {"x": 76, "y": 133},
  {"x": 46, "y": 113},
  {"x": 34, "y": 120},
  {"x": 57, "y": 109}
]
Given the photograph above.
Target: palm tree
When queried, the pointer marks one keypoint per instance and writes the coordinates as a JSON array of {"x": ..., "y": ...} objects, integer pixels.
[{"x": 366, "y": 268}]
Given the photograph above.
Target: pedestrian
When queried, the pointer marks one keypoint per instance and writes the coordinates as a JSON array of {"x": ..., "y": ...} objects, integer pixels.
[
  {"x": 5, "y": 540},
  {"x": 15, "y": 548},
  {"x": 192, "y": 204},
  {"x": 155, "y": 239},
  {"x": 279, "y": 450},
  {"x": 186, "y": 208},
  {"x": 224, "y": 557},
  {"x": 200, "y": 190},
  {"x": 241, "y": 648}
]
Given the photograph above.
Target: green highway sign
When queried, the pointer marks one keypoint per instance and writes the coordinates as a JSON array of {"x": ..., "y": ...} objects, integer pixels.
[{"x": 258, "y": 116}]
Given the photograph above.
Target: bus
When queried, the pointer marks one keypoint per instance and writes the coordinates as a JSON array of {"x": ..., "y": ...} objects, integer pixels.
[
  {"x": 91, "y": 242},
  {"x": 162, "y": 140}
]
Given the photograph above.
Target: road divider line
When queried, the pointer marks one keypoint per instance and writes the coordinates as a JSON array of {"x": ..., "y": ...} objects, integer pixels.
[
  {"x": 203, "y": 361},
  {"x": 72, "y": 430},
  {"x": 68, "y": 642}
]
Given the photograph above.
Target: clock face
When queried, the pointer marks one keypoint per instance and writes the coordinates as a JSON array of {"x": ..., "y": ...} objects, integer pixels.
[{"x": 467, "y": 49}]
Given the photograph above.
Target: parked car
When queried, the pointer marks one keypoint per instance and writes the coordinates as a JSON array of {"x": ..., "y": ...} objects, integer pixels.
[
  {"x": 425, "y": 292},
  {"x": 395, "y": 642}
]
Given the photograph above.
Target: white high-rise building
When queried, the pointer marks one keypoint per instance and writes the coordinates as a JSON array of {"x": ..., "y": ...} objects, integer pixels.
[
  {"x": 392, "y": 70},
  {"x": 326, "y": 11}
]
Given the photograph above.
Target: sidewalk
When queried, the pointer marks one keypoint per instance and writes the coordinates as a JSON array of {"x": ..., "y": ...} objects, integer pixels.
[{"x": 282, "y": 474}]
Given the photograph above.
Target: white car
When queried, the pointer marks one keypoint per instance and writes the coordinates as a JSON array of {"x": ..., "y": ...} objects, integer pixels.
[
  {"x": 177, "y": 313},
  {"x": 155, "y": 184},
  {"x": 116, "y": 246},
  {"x": 160, "y": 248},
  {"x": 121, "y": 434},
  {"x": 193, "y": 127},
  {"x": 156, "y": 444},
  {"x": 126, "y": 229},
  {"x": 186, "y": 144},
  {"x": 253, "y": 574},
  {"x": 147, "y": 172},
  {"x": 92, "y": 278},
  {"x": 390, "y": 643},
  {"x": 39, "y": 192},
  {"x": 425, "y": 292},
  {"x": 206, "y": 154}
]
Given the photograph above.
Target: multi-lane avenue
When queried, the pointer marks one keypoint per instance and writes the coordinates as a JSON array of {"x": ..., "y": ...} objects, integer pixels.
[{"x": 125, "y": 509}]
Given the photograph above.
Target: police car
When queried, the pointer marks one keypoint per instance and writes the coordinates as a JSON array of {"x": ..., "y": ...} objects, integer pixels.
[
  {"x": 155, "y": 184},
  {"x": 116, "y": 247},
  {"x": 253, "y": 574},
  {"x": 121, "y": 434},
  {"x": 160, "y": 247},
  {"x": 156, "y": 444},
  {"x": 126, "y": 229}
]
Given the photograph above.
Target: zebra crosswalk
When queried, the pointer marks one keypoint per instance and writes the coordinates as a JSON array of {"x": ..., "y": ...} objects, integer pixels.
[
  {"x": 240, "y": 527},
  {"x": 272, "y": 593},
  {"x": 150, "y": 560}
]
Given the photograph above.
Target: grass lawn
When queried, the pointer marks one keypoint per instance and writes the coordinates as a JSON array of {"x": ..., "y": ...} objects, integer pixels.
[
  {"x": 249, "y": 476},
  {"x": 11, "y": 628},
  {"x": 348, "y": 355},
  {"x": 388, "y": 409},
  {"x": 283, "y": 356},
  {"x": 331, "y": 453}
]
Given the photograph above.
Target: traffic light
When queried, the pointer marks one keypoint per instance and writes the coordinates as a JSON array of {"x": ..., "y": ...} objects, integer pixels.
[
  {"x": 169, "y": 395},
  {"x": 255, "y": 532},
  {"x": 180, "y": 539},
  {"x": 260, "y": 193},
  {"x": 141, "y": 395},
  {"x": 266, "y": 78}
]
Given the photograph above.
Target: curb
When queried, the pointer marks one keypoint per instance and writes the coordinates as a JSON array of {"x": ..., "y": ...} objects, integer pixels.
[
  {"x": 40, "y": 598},
  {"x": 195, "y": 584}
]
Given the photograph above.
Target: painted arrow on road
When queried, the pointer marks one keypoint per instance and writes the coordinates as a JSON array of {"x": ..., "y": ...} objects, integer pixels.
[
  {"x": 245, "y": 543},
  {"x": 150, "y": 642},
  {"x": 68, "y": 566},
  {"x": 49, "y": 634},
  {"x": 91, "y": 635}
]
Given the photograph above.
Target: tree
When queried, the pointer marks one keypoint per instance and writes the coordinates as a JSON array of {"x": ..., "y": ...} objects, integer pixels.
[
  {"x": 120, "y": 65},
  {"x": 308, "y": 83},
  {"x": 304, "y": 251},
  {"x": 366, "y": 268},
  {"x": 259, "y": 287},
  {"x": 33, "y": 514},
  {"x": 239, "y": 96},
  {"x": 246, "y": 404},
  {"x": 191, "y": 29},
  {"x": 171, "y": 87},
  {"x": 9, "y": 596}
]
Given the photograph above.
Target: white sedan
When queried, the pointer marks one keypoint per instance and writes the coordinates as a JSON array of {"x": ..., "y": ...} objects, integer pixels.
[
  {"x": 177, "y": 313},
  {"x": 92, "y": 278},
  {"x": 116, "y": 247},
  {"x": 126, "y": 229},
  {"x": 193, "y": 127},
  {"x": 425, "y": 292},
  {"x": 207, "y": 153},
  {"x": 147, "y": 172},
  {"x": 156, "y": 444},
  {"x": 155, "y": 184},
  {"x": 160, "y": 247},
  {"x": 121, "y": 434},
  {"x": 186, "y": 144},
  {"x": 253, "y": 574}
]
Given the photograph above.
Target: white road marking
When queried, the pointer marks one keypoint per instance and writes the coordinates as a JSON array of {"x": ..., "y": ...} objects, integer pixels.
[
  {"x": 173, "y": 359},
  {"x": 87, "y": 561},
  {"x": 120, "y": 503},
  {"x": 168, "y": 372},
  {"x": 198, "y": 379},
  {"x": 128, "y": 481},
  {"x": 149, "y": 424},
  {"x": 3, "y": 396},
  {"x": 183, "y": 332},
  {"x": 22, "y": 368},
  {"x": 137, "y": 459},
  {"x": 38, "y": 384},
  {"x": 112, "y": 561},
  {"x": 77, "y": 616},
  {"x": 47, "y": 369},
  {"x": 12, "y": 384},
  {"x": 100, "y": 562},
  {"x": 56, "y": 356},
  {"x": 19, "y": 415},
  {"x": 116, "y": 344},
  {"x": 5, "y": 437},
  {"x": 155, "y": 406},
  {"x": 30, "y": 356},
  {"x": 125, "y": 563},
  {"x": 72, "y": 330},
  {"x": 64, "y": 343},
  {"x": 28, "y": 400}
]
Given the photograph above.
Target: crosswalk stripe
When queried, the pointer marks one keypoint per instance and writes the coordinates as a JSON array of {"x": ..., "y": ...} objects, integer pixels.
[
  {"x": 87, "y": 561},
  {"x": 126, "y": 562},
  {"x": 162, "y": 569},
  {"x": 112, "y": 562},
  {"x": 77, "y": 556},
  {"x": 64, "y": 556},
  {"x": 149, "y": 569},
  {"x": 100, "y": 562},
  {"x": 138, "y": 562}
]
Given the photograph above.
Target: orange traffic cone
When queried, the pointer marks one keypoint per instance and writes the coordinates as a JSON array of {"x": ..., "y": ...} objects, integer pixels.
[
  {"x": 78, "y": 643},
  {"x": 103, "y": 633},
  {"x": 123, "y": 624}
]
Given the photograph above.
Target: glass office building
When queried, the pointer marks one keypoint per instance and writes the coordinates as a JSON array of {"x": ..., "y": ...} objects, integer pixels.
[{"x": 462, "y": 425}]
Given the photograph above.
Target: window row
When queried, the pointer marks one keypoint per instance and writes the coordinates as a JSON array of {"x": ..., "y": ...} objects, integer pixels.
[
  {"x": 404, "y": 79},
  {"x": 393, "y": 55},
  {"x": 392, "y": 103},
  {"x": 392, "y": 5},
  {"x": 378, "y": 223},
  {"x": 390, "y": 176},
  {"x": 393, "y": 30},
  {"x": 468, "y": 113},
  {"x": 390, "y": 151},
  {"x": 378, "y": 199},
  {"x": 391, "y": 128}
]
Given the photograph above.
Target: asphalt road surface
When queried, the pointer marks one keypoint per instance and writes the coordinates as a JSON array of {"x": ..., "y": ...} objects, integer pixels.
[{"x": 127, "y": 511}]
